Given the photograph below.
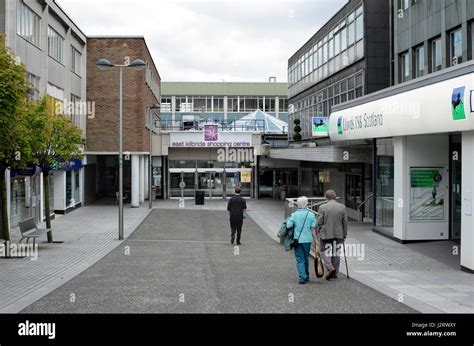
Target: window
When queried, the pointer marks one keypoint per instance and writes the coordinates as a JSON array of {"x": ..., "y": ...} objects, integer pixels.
[
  {"x": 331, "y": 48},
  {"x": 55, "y": 45},
  {"x": 359, "y": 28},
  {"x": 76, "y": 57},
  {"x": 403, "y": 4},
  {"x": 232, "y": 104},
  {"x": 33, "y": 87},
  {"x": 199, "y": 104},
  {"x": 436, "y": 55},
  {"x": 343, "y": 39},
  {"x": 283, "y": 105},
  {"x": 269, "y": 104},
  {"x": 419, "y": 61},
  {"x": 218, "y": 104},
  {"x": 166, "y": 105},
  {"x": 351, "y": 34},
  {"x": 404, "y": 67},
  {"x": 250, "y": 104},
  {"x": 456, "y": 47},
  {"x": 337, "y": 43},
  {"x": 75, "y": 114},
  {"x": 27, "y": 24}
]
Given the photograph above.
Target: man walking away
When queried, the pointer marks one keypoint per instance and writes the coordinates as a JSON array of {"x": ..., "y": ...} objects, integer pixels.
[
  {"x": 236, "y": 207},
  {"x": 332, "y": 224}
]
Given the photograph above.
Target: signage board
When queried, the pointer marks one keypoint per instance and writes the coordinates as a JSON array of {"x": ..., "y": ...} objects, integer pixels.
[
  {"x": 320, "y": 126},
  {"x": 245, "y": 177},
  {"x": 427, "y": 194},
  {"x": 446, "y": 106},
  {"x": 210, "y": 139}
]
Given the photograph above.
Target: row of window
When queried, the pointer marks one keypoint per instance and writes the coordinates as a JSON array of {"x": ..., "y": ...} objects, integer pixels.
[
  {"x": 321, "y": 102},
  {"x": 216, "y": 104},
  {"x": 416, "y": 65},
  {"x": 343, "y": 36},
  {"x": 28, "y": 27}
]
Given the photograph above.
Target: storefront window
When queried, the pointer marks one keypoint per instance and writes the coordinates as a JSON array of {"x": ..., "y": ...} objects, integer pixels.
[
  {"x": 19, "y": 205},
  {"x": 385, "y": 183},
  {"x": 72, "y": 188}
]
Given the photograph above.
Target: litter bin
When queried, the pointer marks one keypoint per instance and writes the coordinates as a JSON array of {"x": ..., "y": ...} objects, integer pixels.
[
  {"x": 153, "y": 193},
  {"x": 199, "y": 197}
]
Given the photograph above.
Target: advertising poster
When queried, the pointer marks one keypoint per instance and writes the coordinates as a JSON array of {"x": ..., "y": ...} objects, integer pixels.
[
  {"x": 320, "y": 126},
  {"x": 246, "y": 177},
  {"x": 427, "y": 194}
]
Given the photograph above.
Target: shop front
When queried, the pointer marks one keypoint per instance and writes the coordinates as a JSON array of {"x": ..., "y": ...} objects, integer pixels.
[
  {"x": 423, "y": 135},
  {"x": 211, "y": 161}
]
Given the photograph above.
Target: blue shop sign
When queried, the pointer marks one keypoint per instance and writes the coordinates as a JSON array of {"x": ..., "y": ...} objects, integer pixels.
[
  {"x": 70, "y": 165},
  {"x": 29, "y": 171}
]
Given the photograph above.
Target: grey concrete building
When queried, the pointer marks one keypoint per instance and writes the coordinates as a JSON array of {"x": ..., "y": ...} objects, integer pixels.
[{"x": 53, "y": 50}]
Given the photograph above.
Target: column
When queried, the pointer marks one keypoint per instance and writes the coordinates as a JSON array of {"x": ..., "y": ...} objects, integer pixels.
[
  {"x": 142, "y": 179},
  {"x": 135, "y": 181},
  {"x": 59, "y": 191},
  {"x": 400, "y": 193},
  {"x": 147, "y": 175},
  {"x": 467, "y": 219}
]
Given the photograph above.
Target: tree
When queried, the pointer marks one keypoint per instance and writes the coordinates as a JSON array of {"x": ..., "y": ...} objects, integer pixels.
[
  {"x": 55, "y": 141},
  {"x": 14, "y": 134},
  {"x": 297, "y": 130}
]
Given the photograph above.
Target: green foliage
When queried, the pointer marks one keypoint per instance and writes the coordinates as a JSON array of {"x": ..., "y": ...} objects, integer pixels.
[
  {"x": 14, "y": 134},
  {"x": 297, "y": 137},
  {"x": 53, "y": 136},
  {"x": 297, "y": 130},
  {"x": 297, "y": 122}
]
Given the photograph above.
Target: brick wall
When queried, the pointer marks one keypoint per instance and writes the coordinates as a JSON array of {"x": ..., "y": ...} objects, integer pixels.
[{"x": 103, "y": 89}]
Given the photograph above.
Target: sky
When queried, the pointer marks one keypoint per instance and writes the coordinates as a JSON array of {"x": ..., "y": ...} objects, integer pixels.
[{"x": 213, "y": 40}]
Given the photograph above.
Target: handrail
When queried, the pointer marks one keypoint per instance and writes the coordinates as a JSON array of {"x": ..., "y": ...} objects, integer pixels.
[
  {"x": 361, "y": 217},
  {"x": 366, "y": 200}
]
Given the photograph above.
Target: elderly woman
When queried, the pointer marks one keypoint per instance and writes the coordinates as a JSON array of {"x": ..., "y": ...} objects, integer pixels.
[{"x": 304, "y": 223}]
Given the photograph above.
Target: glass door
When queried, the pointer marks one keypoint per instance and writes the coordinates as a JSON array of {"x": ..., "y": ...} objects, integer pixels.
[
  {"x": 182, "y": 184},
  {"x": 211, "y": 182}
]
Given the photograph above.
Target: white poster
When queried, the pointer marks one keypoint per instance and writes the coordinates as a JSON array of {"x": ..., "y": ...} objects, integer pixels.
[{"x": 427, "y": 194}]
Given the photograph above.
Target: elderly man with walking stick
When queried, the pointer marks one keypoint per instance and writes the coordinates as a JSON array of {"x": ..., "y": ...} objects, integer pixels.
[{"x": 332, "y": 224}]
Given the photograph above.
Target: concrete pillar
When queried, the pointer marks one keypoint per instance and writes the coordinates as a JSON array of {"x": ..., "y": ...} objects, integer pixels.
[
  {"x": 135, "y": 181},
  {"x": 142, "y": 179},
  {"x": 400, "y": 197},
  {"x": 146, "y": 176},
  {"x": 60, "y": 191},
  {"x": 467, "y": 219}
]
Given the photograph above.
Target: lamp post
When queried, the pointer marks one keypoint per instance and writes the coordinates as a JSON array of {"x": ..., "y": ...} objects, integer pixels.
[
  {"x": 104, "y": 64},
  {"x": 150, "y": 163}
]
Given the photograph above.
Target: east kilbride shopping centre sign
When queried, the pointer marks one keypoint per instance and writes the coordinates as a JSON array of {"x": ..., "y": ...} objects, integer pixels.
[{"x": 210, "y": 139}]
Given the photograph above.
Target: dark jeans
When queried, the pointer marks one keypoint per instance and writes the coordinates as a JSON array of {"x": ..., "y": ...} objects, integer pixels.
[
  {"x": 236, "y": 227},
  {"x": 302, "y": 260}
]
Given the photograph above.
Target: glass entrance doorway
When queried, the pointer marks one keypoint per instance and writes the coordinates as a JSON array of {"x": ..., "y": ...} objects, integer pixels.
[
  {"x": 182, "y": 183},
  {"x": 211, "y": 182}
]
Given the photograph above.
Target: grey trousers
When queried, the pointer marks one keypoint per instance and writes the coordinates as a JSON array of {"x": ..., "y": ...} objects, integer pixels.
[{"x": 331, "y": 252}]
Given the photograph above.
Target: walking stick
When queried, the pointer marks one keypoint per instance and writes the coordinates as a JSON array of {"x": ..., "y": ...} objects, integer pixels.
[{"x": 345, "y": 258}]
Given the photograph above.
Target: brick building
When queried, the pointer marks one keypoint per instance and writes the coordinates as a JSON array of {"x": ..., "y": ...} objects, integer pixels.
[{"x": 140, "y": 90}]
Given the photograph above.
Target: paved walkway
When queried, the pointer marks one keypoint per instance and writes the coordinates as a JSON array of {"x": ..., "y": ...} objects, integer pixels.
[
  {"x": 181, "y": 261},
  {"x": 89, "y": 234},
  {"x": 399, "y": 271}
]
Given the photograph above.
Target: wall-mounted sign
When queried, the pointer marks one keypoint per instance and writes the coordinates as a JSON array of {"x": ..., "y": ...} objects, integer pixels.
[
  {"x": 427, "y": 194},
  {"x": 197, "y": 139},
  {"x": 245, "y": 177},
  {"x": 320, "y": 126},
  {"x": 436, "y": 108},
  {"x": 211, "y": 133}
]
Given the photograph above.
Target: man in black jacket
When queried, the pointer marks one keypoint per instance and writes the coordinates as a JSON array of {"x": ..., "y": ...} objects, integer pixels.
[{"x": 236, "y": 207}]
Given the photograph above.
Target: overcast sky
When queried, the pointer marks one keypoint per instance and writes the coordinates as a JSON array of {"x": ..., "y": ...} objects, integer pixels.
[{"x": 196, "y": 40}]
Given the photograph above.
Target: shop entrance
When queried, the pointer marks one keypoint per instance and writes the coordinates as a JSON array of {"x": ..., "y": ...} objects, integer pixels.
[
  {"x": 211, "y": 182},
  {"x": 182, "y": 183}
]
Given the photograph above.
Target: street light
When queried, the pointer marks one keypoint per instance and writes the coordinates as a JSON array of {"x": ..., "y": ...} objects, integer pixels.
[
  {"x": 150, "y": 163},
  {"x": 104, "y": 64}
]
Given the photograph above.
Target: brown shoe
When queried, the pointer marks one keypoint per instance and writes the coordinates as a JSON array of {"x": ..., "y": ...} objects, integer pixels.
[{"x": 331, "y": 274}]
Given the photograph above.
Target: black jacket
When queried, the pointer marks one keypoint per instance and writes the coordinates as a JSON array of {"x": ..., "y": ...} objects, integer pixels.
[{"x": 236, "y": 207}]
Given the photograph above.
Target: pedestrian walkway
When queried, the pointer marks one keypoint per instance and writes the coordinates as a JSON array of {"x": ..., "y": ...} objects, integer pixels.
[
  {"x": 399, "y": 271},
  {"x": 181, "y": 261},
  {"x": 88, "y": 234}
]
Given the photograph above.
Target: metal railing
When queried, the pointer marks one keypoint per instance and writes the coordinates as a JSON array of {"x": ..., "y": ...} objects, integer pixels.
[
  {"x": 229, "y": 125},
  {"x": 359, "y": 208},
  {"x": 313, "y": 204}
]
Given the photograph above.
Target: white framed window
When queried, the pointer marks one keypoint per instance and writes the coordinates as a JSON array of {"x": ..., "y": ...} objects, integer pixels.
[
  {"x": 55, "y": 45},
  {"x": 27, "y": 23},
  {"x": 419, "y": 61},
  {"x": 360, "y": 28},
  {"x": 404, "y": 67},
  {"x": 436, "y": 55},
  {"x": 455, "y": 47},
  {"x": 76, "y": 61}
]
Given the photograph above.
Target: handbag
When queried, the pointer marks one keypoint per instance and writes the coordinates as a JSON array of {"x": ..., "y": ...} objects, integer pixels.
[
  {"x": 295, "y": 242},
  {"x": 318, "y": 263}
]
